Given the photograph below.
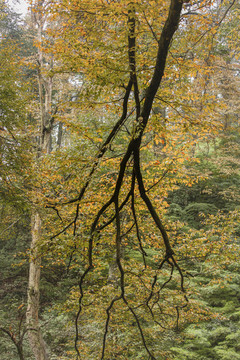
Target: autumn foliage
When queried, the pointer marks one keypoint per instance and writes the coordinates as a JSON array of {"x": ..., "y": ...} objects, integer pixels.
[{"x": 131, "y": 102}]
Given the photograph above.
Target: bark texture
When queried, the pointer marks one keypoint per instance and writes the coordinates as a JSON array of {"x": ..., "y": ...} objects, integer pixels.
[
  {"x": 45, "y": 88},
  {"x": 36, "y": 341}
]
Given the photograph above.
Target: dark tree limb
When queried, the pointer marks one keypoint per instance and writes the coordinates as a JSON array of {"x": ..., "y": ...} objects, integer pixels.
[
  {"x": 133, "y": 150},
  {"x": 144, "y": 196},
  {"x": 106, "y": 143}
]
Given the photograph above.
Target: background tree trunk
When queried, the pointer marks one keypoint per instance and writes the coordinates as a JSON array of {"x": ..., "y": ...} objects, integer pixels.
[{"x": 36, "y": 341}]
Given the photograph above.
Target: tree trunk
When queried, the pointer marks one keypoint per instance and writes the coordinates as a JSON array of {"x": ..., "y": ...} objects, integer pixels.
[
  {"x": 36, "y": 341},
  {"x": 59, "y": 136},
  {"x": 20, "y": 351}
]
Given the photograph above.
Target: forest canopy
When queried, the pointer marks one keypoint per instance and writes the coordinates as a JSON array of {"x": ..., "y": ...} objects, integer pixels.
[{"x": 119, "y": 192}]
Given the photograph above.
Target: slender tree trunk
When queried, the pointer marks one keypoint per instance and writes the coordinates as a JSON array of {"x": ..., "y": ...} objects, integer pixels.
[
  {"x": 60, "y": 133},
  {"x": 36, "y": 341},
  {"x": 20, "y": 353}
]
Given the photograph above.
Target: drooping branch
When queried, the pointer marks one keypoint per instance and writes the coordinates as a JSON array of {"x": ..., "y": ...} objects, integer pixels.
[
  {"x": 143, "y": 252},
  {"x": 130, "y": 194},
  {"x": 151, "y": 356},
  {"x": 108, "y": 311},
  {"x": 132, "y": 151},
  {"x": 146, "y": 199},
  {"x": 106, "y": 143}
]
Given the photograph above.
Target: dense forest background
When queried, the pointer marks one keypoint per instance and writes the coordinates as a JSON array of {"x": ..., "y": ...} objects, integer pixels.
[{"x": 120, "y": 232}]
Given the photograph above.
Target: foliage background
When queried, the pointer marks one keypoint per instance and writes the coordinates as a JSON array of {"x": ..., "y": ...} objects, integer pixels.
[{"x": 190, "y": 161}]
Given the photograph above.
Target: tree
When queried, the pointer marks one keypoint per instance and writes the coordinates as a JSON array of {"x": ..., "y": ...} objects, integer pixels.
[
  {"x": 125, "y": 57},
  {"x": 45, "y": 90},
  {"x": 48, "y": 102}
]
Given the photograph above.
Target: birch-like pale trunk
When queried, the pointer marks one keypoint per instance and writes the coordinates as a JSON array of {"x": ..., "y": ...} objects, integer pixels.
[
  {"x": 36, "y": 341},
  {"x": 35, "y": 337}
]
